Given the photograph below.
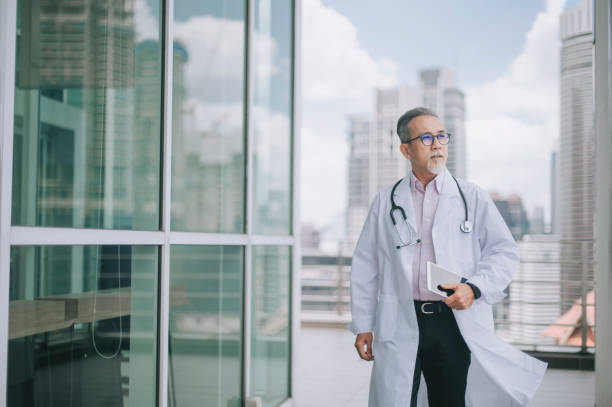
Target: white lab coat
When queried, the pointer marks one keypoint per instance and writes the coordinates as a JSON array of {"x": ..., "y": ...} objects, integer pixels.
[{"x": 382, "y": 298}]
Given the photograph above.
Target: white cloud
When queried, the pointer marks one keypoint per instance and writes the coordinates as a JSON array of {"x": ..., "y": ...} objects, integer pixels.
[
  {"x": 335, "y": 66},
  {"x": 146, "y": 25},
  {"x": 512, "y": 121},
  {"x": 338, "y": 79}
]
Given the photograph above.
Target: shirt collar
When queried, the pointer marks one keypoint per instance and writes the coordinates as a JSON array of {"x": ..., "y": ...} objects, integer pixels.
[{"x": 416, "y": 184}]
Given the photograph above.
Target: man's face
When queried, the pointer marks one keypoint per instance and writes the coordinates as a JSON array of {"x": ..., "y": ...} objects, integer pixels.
[{"x": 431, "y": 159}]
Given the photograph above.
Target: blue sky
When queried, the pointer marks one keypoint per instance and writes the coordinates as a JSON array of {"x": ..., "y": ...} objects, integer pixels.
[
  {"x": 506, "y": 59},
  {"x": 477, "y": 38}
]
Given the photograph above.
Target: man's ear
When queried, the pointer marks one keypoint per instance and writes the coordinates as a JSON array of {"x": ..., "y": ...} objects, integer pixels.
[{"x": 405, "y": 151}]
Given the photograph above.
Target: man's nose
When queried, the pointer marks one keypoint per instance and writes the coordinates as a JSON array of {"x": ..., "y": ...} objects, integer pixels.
[{"x": 436, "y": 143}]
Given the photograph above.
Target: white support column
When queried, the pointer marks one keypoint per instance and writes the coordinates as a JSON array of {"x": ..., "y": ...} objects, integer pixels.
[
  {"x": 603, "y": 204},
  {"x": 248, "y": 254},
  {"x": 164, "y": 280},
  {"x": 296, "y": 251},
  {"x": 8, "y": 35}
]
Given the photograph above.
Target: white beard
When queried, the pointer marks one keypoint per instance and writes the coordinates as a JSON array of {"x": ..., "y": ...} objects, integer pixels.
[{"x": 436, "y": 168}]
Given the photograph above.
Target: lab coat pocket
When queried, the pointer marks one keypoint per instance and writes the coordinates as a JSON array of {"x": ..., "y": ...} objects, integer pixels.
[{"x": 386, "y": 317}]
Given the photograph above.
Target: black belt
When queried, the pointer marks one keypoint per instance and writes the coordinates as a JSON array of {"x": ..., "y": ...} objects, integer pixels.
[{"x": 431, "y": 307}]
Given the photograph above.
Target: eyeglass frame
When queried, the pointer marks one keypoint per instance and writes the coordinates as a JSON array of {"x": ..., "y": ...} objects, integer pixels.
[{"x": 434, "y": 136}]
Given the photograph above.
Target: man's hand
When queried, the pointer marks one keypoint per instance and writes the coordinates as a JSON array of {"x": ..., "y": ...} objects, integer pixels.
[
  {"x": 363, "y": 343},
  {"x": 462, "y": 298}
]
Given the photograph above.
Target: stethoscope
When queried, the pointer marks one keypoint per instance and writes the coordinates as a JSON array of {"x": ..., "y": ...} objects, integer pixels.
[{"x": 465, "y": 226}]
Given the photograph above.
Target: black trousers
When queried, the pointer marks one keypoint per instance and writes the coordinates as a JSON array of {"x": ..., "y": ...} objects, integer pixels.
[{"x": 443, "y": 357}]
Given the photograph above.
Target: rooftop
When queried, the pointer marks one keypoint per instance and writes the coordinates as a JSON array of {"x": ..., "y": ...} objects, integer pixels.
[{"x": 332, "y": 375}]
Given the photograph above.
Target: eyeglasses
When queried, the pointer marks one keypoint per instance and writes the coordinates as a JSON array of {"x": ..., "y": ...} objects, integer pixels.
[{"x": 428, "y": 139}]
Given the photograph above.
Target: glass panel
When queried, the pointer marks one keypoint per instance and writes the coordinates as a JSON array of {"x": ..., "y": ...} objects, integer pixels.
[
  {"x": 207, "y": 122},
  {"x": 205, "y": 347},
  {"x": 87, "y": 114},
  {"x": 272, "y": 93},
  {"x": 270, "y": 350},
  {"x": 82, "y": 326}
]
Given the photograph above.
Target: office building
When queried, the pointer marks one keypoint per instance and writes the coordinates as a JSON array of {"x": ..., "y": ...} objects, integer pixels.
[
  {"x": 149, "y": 240},
  {"x": 537, "y": 224},
  {"x": 554, "y": 220},
  {"x": 576, "y": 155},
  {"x": 534, "y": 296},
  {"x": 511, "y": 209}
]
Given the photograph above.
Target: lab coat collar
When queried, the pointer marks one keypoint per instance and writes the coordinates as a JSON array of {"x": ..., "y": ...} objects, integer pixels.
[{"x": 449, "y": 187}]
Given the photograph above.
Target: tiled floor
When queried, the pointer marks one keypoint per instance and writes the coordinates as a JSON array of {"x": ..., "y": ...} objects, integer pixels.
[{"x": 332, "y": 375}]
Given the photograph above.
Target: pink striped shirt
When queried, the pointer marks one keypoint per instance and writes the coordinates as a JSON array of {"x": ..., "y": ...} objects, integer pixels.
[{"x": 425, "y": 202}]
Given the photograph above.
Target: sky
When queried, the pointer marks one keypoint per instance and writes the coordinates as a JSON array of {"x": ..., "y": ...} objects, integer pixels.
[{"x": 506, "y": 59}]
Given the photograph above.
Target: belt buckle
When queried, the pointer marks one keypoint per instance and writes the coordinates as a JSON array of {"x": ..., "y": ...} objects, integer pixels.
[{"x": 423, "y": 308}]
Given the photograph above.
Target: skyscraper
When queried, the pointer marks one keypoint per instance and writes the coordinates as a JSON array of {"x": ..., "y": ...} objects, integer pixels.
[
  {"x": 554, "y": 221},
  {"x": 375, "y": 160},
  {"x": 576, "y": 152},
  {"x": 512, "y": 210},
  {"x": 441, "y": 95}
]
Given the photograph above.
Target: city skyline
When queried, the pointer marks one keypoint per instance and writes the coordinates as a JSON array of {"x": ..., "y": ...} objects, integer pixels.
[{"x": 512, "y": 114}]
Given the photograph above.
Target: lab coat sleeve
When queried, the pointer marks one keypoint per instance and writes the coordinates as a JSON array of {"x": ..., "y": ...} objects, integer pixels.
[
  {"x": 499, "y": 252},
  {"x": 364, "y": 275}
]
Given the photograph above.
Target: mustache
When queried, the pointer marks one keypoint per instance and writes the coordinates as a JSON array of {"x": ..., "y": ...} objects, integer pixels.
[{"x": 435, "y": 154}]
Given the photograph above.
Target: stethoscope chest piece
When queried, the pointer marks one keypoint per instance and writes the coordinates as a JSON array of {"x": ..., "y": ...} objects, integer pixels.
[{"x": 466, "y": 226}]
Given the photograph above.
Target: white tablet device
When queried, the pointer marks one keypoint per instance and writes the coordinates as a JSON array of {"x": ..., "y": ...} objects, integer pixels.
[{"x": 437, "y": 275}]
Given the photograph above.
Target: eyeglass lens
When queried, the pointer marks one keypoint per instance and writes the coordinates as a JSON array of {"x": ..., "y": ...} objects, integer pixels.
[{"x": 427, "y": 139}]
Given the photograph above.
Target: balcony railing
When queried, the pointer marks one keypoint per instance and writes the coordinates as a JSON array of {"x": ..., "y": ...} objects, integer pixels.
[{"x": 550, "y": 304}]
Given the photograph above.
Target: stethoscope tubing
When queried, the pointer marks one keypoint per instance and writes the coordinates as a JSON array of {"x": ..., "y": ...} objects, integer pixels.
[{"x": 465, "y": 226}]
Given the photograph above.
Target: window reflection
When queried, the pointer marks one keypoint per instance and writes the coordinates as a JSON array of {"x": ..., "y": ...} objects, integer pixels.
[
  {"x": 83, "y": 326},
  {"x": 205, "y": 347},
  {"x": 208, "y": 110},
  {"x": 272, "y": 117},
  {"x": 87, "y": 103},
  {"x": 270, "y": 324}
]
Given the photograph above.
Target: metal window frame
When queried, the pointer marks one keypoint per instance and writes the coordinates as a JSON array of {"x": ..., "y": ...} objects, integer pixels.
[
  {"x": 8, "y": 35},
  {"x": 163, "y": 238}
]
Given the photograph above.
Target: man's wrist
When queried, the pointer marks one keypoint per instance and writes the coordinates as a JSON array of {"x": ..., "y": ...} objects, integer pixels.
[{"x": 475, "y": 290}]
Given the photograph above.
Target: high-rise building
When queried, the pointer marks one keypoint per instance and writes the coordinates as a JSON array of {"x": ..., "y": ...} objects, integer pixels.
[
  {"x": 534, "y": 292},
  {"x": 441, "y": 95},
  {"x": 576, "y": 152},
  {"x": 514, "y": 214},
  {"x": 537, "y": 224},
  {"x": 554, "y": 221},
  {"x": 375, "y": 160}
]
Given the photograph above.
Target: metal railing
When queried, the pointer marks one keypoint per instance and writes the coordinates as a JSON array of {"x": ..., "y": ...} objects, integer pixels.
[{"x": 550, "y": 303}]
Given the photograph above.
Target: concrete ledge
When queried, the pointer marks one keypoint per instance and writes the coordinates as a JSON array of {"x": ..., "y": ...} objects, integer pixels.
[{"x": 566, "y": 361}]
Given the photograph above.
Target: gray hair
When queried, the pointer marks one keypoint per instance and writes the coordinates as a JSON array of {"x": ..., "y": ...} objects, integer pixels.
[{"x": 402, "y": 123}]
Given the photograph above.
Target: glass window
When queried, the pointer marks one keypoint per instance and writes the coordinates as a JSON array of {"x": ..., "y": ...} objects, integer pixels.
[
  {"x": 83, "y": 326},
  {"x": 270, "y": 350},
  {"x": 208, "y": 172},
  {"x": 272, "y": 92},
  {"x": 205, "y": 346},
  {"x": 87, "y": 115}
]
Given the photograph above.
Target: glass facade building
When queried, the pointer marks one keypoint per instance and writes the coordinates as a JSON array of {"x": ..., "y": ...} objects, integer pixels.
[{"x": 147, "y": 201}]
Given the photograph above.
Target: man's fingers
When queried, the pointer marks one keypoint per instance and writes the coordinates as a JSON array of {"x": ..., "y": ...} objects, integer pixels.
[
  {"x": 369, "y": 350},
  {"x": 364, "y": 347}
]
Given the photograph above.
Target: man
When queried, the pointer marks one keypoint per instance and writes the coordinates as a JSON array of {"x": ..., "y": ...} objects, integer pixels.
[{"x": 410, "y": 331}]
